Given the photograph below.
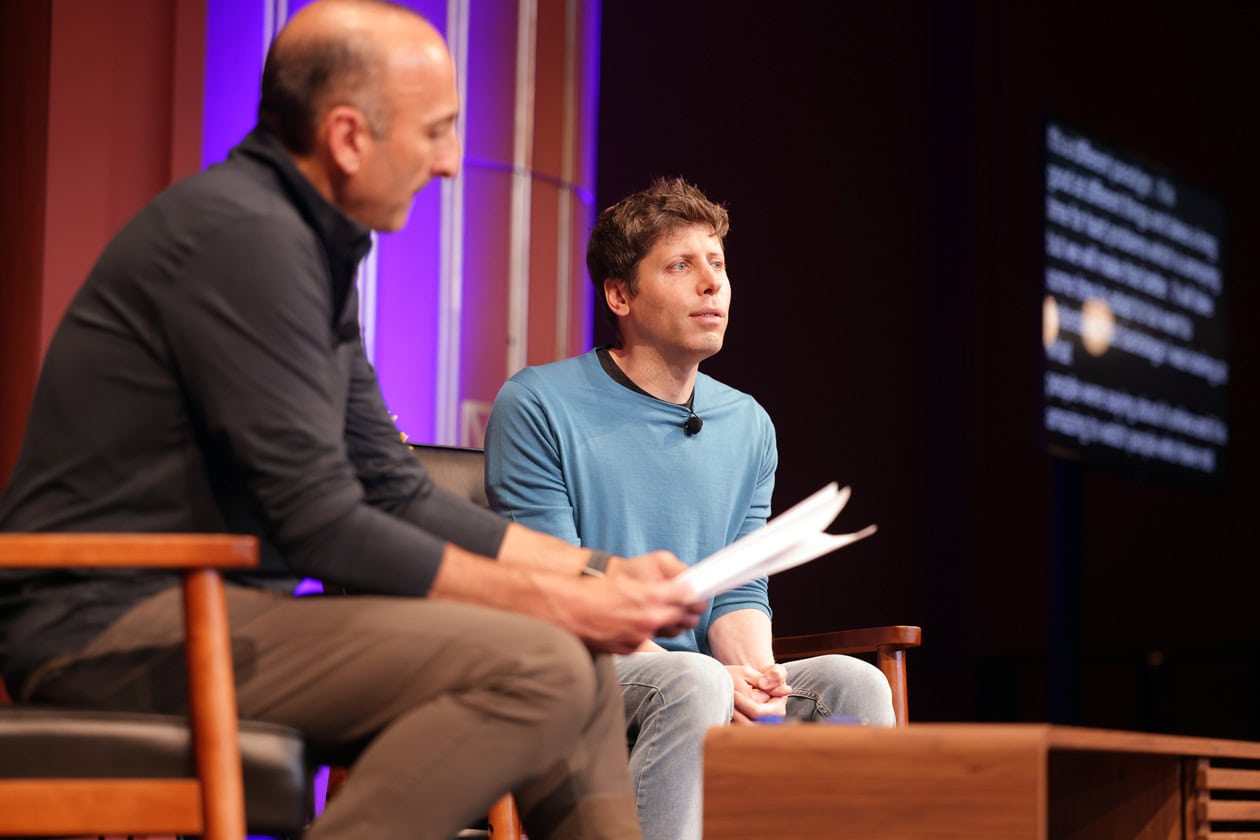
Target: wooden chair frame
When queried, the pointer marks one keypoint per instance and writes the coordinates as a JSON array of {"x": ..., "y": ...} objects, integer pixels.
[
  {"x": 212, "y": 804},
  {"x": 888, "y": 643}
]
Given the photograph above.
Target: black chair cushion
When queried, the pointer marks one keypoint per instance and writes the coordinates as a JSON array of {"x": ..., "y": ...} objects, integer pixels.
[
  {"x": 461, "y": 471},
  {"x": 42, "y": 742}
]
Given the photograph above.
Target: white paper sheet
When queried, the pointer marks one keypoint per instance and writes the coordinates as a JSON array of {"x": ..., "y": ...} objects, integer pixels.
[{"x": 793, "y": 537}]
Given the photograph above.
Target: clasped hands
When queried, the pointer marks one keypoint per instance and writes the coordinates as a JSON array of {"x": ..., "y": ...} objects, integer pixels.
[
  {"x": 645, "y": 585},
  {"x": 759, "y": 692}
]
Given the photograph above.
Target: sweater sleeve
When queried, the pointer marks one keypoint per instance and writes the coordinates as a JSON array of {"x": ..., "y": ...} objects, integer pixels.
[
  {"x": 525, "y": 479},
  {"x": 755, "y": 594},
  {"x": 394, "y": 480},
  {"x": 252, "y": 331}
]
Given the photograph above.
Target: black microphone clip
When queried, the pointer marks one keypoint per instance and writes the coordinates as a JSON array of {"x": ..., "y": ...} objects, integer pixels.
[{"x": 693, "y": 424}]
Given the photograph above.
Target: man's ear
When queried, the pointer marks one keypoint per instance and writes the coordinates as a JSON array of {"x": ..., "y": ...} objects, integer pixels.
[
  {"x": 346, "y": 133},
  {"x": 617, "y": 296}
]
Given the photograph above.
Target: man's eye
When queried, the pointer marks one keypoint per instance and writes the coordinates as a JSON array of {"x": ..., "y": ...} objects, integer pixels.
[
  {"x": 440, "y": 130},
  {"x": 680, "y": 265}
]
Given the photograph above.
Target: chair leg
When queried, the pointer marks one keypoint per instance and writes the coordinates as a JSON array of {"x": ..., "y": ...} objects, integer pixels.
[
  {"x": 336, "y": 778},
  {"x": 892, "y": 661},
  {"x": 505, "y": 821}
]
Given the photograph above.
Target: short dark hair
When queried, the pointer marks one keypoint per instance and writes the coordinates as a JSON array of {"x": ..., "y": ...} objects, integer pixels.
[
  {"x": 626, "y": 231},
  {"x": 302, "y": 78}
]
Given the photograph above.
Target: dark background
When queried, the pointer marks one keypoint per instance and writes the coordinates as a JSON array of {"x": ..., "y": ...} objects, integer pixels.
[{"x": 882, "y": 164}]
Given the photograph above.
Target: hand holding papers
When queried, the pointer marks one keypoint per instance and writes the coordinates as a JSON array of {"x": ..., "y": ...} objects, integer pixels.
[{"x": 793, "y": 537}]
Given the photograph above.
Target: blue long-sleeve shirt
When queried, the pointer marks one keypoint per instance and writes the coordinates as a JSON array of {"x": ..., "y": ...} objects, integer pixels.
[{"x": 573, "y": 453}]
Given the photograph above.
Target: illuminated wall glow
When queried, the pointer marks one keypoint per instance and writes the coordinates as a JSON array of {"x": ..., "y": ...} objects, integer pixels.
[
  {"x": 522, "y": 156},
  {"x": 489, "y": 274}
]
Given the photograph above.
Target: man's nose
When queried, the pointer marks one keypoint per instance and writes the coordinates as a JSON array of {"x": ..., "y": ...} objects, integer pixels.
[
  {"x": 710, "y": 280},
  {"x": 446, "y": 161}
]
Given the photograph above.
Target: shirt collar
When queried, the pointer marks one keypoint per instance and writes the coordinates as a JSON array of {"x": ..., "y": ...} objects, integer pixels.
[
  {"x": 345, "y": 240},
  {"x": 618, "y": 375}
]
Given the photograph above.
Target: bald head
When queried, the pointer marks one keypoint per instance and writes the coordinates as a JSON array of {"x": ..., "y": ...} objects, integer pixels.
[
  {"x": 363, "y": 95},
  {"x": 339, "y": 52}
]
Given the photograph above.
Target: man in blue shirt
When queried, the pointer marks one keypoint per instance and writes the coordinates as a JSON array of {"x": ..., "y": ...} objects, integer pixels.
[{"x": 631, "y": 448}]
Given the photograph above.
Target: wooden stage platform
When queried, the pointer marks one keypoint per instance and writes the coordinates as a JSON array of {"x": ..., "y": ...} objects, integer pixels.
[{"x": 976, "y": 781}]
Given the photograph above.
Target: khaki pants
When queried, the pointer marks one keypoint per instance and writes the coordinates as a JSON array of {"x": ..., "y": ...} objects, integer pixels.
[{"x": 460, "y": 704}]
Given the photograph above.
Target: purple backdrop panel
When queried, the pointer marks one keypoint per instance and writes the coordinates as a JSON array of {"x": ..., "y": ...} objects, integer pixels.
[
  {"x": 408, "y": 293},
  {"x": 235, "y": 41},
  {"x": 490, "y": 81},
  {"x": 484, "y": 327}
]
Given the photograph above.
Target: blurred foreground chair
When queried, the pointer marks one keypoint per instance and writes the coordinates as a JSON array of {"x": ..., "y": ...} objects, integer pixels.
[
  {"x": 66, "y": 771},
  {"x": 462, "y": 471}
]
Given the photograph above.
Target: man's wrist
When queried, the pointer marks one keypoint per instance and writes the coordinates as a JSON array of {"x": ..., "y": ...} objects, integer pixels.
[{"x": 597, "y": 565}]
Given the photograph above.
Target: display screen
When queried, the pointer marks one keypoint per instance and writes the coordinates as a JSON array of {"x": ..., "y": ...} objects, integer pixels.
[{"x": 1136, "y": 368}]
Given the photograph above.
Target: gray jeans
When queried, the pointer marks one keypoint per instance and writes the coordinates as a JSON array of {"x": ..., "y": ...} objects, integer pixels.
[
  {"x": 460, "y": 704},
  {"x": 673, "y": 698}
]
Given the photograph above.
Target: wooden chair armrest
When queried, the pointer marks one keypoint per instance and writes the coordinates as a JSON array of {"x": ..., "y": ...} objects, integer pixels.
[
  {"x": 888, "y": 643},
  {"x": 211, "y": 689},
  {"x": 169, "y": 551},
  {"x": 861, "y": 640}
]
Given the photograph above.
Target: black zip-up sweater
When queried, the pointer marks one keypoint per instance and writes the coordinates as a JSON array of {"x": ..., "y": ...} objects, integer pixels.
[{"x": 209, "y": 377}]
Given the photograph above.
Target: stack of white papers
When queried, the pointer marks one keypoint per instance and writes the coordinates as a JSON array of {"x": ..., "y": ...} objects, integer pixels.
[{"x": 793, "y": 537}]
